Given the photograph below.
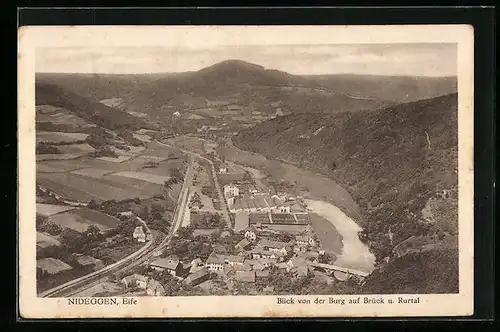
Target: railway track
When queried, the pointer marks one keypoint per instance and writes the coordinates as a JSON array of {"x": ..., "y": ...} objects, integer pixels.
[{"x": 141, "y": 256}]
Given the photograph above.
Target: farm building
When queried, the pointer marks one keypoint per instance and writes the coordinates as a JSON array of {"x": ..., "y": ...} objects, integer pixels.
[
  {"x": 198, "y": 277},
  {"x": 244, "y": 243},
  {"x": 88, "y": 262},
  {"x": 139, "y": 234},
  {"x": 171, "y": 265},
  {"x": 215, "y": 262},
  {"x": 135, "y": 280}
]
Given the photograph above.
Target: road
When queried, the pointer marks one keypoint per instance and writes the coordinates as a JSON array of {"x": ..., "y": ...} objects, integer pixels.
[
  {"x": 158, "y": 242},
  {"x": 225, "y": 209}
]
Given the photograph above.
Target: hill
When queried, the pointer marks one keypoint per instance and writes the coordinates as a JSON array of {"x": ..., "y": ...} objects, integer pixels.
[
  {"x": 400, "y": 89},
  {"x": 230, "y": 82},
  {"x": 392, "y": 161},
  {"x": 86, "y": 108}
]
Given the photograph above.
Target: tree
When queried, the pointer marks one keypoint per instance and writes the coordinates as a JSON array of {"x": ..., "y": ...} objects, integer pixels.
[{"x": 176, "y": 174}]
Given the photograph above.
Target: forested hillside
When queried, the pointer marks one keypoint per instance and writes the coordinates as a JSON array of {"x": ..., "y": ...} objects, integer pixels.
[
  {"x": 86, "y": 108},
  {"x": 391, "y": 161}
]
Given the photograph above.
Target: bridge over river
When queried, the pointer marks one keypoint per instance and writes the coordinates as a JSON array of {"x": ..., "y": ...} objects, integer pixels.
[{"x": 332, "y": 268}]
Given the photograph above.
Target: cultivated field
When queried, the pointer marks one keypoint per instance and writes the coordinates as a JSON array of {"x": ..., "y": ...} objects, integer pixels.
[
  {"x": 80, "y": 219},
  {"x": 59, "y": 137},
  {"x": 81, "y": 188},
  {"x": 50, "y": 209},
  {"x": 152, "y": 178},
  {"x": 79, "y": 149}
]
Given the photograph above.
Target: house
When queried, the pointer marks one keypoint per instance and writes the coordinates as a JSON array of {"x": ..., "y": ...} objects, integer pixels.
[
  {"x": 267, "y": 261},
  {"x": 126, "y": 213},
  {"x": 88, "y": 262},
  {"x": 282, "y": 209},
  {"x": 223, "y": 169},
  {"x": 233, "y": 260},
  {"x": 275, "y": 246},
  {"x": 302, "y": 240},
  {"x": 259, "y": 202},
  {"x": 177, "y": 113},
  {"x": 171, "y": 265},
  {"x": 197, "y": 277},
  {"x": 196, "y": 265},
  {"x": 135, "y": 280},
  {"x": 258, "y": 266},
  {"x": 251, "y": 233},
  {"x": 231, "y": 190},
  {"x": 154, "y": 288},
  {"x": 244, "y": 243},
  {"x": 245, "y": 276},
  {"x": 215, "y": 262},
  {"x": 259, "y": 253},
  {"x": 139, "y": 234}
]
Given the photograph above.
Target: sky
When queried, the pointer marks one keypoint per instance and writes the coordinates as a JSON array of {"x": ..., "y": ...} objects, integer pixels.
[{"x": 416, "y": 59}]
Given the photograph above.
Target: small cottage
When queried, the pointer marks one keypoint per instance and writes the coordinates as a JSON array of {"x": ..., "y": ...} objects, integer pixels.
[{"x": 171, "y": 265}]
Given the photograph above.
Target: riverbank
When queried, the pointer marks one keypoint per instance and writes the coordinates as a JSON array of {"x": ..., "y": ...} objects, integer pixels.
[
  {"x": 354, "y": 254},
  {"x": 307, "y": 184}
]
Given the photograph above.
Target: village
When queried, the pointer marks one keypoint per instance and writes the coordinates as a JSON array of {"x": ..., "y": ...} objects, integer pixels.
[{"x": 269, "y": 245}]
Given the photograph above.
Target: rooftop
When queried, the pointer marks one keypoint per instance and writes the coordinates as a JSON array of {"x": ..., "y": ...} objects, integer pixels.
[
  {"x": 166, "y": 263},
  {"x": 245, "y": 276}
]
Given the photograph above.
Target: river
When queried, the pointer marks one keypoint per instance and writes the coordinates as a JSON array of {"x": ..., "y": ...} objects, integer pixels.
[{"x": 355, "y": 254}]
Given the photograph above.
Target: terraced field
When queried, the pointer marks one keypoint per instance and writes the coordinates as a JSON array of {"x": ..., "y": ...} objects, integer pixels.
[
  {"x": 59, "y": 137},
  {"x": 83, "y": 188},
  {"x": 51, "y": 209}
]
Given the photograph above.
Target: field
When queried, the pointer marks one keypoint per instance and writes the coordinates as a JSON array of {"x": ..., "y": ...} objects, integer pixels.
[
  {"x": 80, "y": 219},
  {"x": 152, "y": 178},
  {"x": 83, "y": 188},
  {"x": 44, "y": 240},
  {"x": 59, "y": 137},
  {"x": 79, "y": 149},
  {"x": 58, "y": 116},
  {"x": 50, "y": 209},
  {"x": 92, "y": 172},
  {"x": 328, "y": 235},
  {"x": 47, "y": 157},
  {"x": 189, "y": 143}
]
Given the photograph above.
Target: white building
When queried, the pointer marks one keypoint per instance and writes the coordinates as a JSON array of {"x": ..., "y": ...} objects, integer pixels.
[{"x": 231, "y": 191}]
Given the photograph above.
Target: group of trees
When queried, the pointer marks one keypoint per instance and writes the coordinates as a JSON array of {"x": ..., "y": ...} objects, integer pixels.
[
  {"x": 43, "y": 224},
  {"x": 206, "y": 220}
]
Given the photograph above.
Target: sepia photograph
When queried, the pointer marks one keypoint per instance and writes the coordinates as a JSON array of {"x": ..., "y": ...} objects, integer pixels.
[{"x": 247, "y": 165}]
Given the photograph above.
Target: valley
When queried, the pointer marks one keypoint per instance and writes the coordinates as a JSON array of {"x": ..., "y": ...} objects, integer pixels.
[{"x": 334, "y": 171}]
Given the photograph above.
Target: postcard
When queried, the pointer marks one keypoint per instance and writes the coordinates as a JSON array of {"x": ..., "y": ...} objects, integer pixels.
[{"x": 245, "y": 171}]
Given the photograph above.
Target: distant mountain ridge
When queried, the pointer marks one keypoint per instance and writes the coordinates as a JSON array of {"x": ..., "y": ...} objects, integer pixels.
[{"x": 251, "y": 83}]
